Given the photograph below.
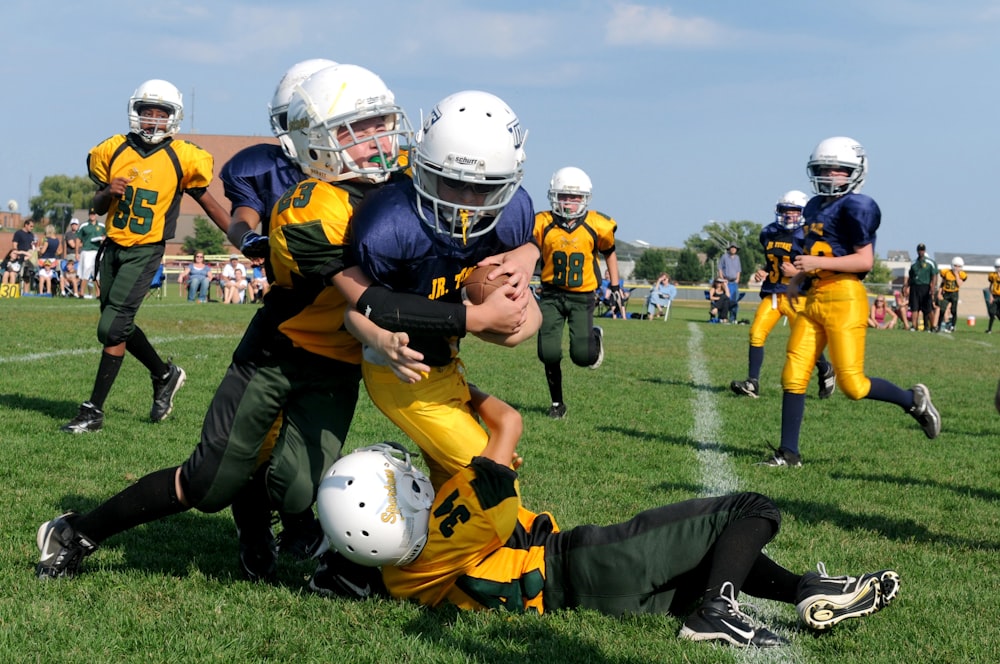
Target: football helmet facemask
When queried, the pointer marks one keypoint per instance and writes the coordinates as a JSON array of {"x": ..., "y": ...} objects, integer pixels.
[
  {"x": 332, "y": 100},
  {"x": 570, "y": 181},
  {"x": 374, "y": 506},
  {"x": 160, "y": 94},
  {"x": 471, "y": 147},
  {"x": 790, "y": 201},
  {"x": 277, "y": 110},
  {"x": 841, "y": 153}
]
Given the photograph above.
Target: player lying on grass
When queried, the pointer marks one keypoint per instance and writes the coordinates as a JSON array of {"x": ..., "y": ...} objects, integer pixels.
[{"x": 473, "y": 544}]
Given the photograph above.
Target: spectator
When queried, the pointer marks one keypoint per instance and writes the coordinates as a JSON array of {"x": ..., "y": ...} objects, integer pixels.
[
  {"x": 718, "y": 296},
  {"x": 71, "y": 241},
  {"x": 51, "y": 246},
  {"x": 197, "y": 276},
  {"x": 258, "y": 280},
  {"x": 730, "y": 270},
  {"x": 660, "y": 297},
  {"x": 69, "y": 280},
  {"x": 881, "y": 317},
  {"x": 234, "y": 281},
  {"x": 922, "y": 280},
  {"x": 91, "y": 237},
  {"x": 26, "y": 246},
  {"x": 901, "y": 306},
  {"x": 952, "y": 279},
  {"x": 45, "y": 275},
  {"x": 12, "y": 266},
  {"x": 993, "y": 298}
]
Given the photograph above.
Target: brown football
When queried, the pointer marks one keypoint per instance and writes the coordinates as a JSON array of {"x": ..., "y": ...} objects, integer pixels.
[{"x": 476, "y": 287}]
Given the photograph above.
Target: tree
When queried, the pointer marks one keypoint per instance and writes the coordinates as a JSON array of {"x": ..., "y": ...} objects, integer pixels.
[
  {"x": 650, "y": 264},
  {"x": 715, "y": 238},
  {"x": 879, "y": 277},
  {"x": 207, "y": 238},
  {"x": 58, "y": 196},
  {"x": 689, "y": 269}
]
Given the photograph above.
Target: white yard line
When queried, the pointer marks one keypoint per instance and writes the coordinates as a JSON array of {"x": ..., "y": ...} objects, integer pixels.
[
  {"x": 718, "y": 478},
  {"x": 31, "y": 357}
]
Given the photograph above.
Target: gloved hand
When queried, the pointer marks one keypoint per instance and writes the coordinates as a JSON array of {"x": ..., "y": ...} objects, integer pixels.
[{"x": 254, "y": 245}]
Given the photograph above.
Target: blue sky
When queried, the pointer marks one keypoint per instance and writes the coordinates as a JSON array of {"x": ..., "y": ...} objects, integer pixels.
[{"x": 681, "y": 112}]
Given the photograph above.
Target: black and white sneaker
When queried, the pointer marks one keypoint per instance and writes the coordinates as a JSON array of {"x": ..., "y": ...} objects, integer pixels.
[
  {"x": 302, "y": 541},
  {"x": 88, "y": 419},
  {"x": 557, "y": 411},
  {"x": 721, "y": 619},
  {"x": 164, "y": 389},
  {"x": 782, "y": 457},
  {"x": 827, "y": 381},
  {"x": 823, "y": 601},
  {"x": 924, "y": 412},
  {"x": 61, "y": 548},
  {"x": 746, "y": 388},
  {"x": 599, "y": 331},
  {"x": 336, "y": 576}
]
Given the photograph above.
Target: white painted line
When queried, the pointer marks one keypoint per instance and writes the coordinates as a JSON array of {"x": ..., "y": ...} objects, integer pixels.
[
  {"x": 68, "y": 352},
  {"x": 718, "y": 478}
]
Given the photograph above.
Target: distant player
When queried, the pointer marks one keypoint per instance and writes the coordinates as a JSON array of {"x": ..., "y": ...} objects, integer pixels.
[
  {"x": 838, "y": 251},
  {"x": 782, "y": 242},
  {"x": 141, "y": 177},
  {"x": 993, "y": 295},
  {"x": 952, "y": 279},
  {"x": 571, "y": 237}
]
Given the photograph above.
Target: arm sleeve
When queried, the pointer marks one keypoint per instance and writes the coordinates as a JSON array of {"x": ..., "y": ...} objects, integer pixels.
[{"x": 404, "y": 312}]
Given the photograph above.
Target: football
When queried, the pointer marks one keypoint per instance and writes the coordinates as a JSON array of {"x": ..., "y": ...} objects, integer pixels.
[{"x": 476, "y": 287}]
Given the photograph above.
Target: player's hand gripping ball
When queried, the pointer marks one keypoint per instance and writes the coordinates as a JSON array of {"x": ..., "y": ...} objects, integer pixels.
[{"x": 476, "y": 287}]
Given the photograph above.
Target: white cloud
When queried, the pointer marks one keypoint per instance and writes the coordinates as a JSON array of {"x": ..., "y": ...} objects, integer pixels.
[{"x": 633, "y": 24}]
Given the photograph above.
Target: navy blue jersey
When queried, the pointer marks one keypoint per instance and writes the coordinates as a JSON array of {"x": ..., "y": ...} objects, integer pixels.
[
  {"x": 835, "y": 227},
  {"x": 398, "y": 250},
  {"x": 257, "y": 176},
  {"x": 780, "y": 246}
]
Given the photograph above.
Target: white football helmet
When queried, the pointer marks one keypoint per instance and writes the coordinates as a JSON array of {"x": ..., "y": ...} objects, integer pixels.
[
  {"x": 572, "y": 181},
  {"x": 845, "y": 153},
  {"x": 161, "y": 94},
  {"x": 958, "y": 262},
  {"x": 375, "y": 507},
  {"x": 790, "y": 201},
  {"x": 331, "y": 100},
  {"x": 277, "y": 110},
  {"x": 471, "y": 144},
  {"x": 996, "y": 264}
]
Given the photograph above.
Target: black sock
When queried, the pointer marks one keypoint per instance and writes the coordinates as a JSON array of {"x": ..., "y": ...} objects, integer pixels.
[
  {"x": 107, "y": 371},
  {"x": 251, "y": 506},
  {"x": 735, "y": 553},
  {"x": 152, "y": 497},
  {"x": 769, "y": 580},
  {"x": 140, "y": 348},
  {"x": 553, "y": 376}
]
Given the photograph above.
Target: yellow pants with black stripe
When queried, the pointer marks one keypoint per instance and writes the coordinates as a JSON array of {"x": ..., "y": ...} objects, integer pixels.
[{"x": 835, "y": 316}]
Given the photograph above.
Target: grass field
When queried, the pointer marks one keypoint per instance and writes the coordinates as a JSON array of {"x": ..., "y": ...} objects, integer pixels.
[{"x": 655, "y": 424}]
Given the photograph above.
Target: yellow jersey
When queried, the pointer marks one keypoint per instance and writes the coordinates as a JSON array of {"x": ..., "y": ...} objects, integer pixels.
[{"x": 569, "y": 250}]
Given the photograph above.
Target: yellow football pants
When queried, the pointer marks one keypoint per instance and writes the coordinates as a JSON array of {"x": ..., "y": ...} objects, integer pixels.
[{"x": 835, "y": 316}]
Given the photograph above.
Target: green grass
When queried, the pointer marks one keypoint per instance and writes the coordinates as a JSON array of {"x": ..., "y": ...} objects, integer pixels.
[{"x": 874, "y": 492}]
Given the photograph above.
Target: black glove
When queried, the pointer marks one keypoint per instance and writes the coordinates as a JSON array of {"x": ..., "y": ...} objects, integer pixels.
[{"x": 254, "y": 245}]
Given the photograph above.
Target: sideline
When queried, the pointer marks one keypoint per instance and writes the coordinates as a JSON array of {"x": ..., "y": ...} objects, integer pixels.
[
  {"x": 718, "y": 478},
  {"x": 31, "y": 357}
]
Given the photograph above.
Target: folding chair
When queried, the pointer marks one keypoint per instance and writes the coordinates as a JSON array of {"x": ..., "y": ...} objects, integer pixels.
[{"x": 156, "y": 286}]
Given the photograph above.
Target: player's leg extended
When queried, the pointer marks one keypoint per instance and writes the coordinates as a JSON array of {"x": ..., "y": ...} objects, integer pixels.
[
  {"x": 769, "y": 312},
  {"x": 844, "y": 315},
  {"x": 434, "y": 412},
  {"x": 805, "y": 342}
]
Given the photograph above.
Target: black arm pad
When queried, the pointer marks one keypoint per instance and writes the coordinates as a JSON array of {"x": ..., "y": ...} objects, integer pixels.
[{"x": 413, "y": 314}]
